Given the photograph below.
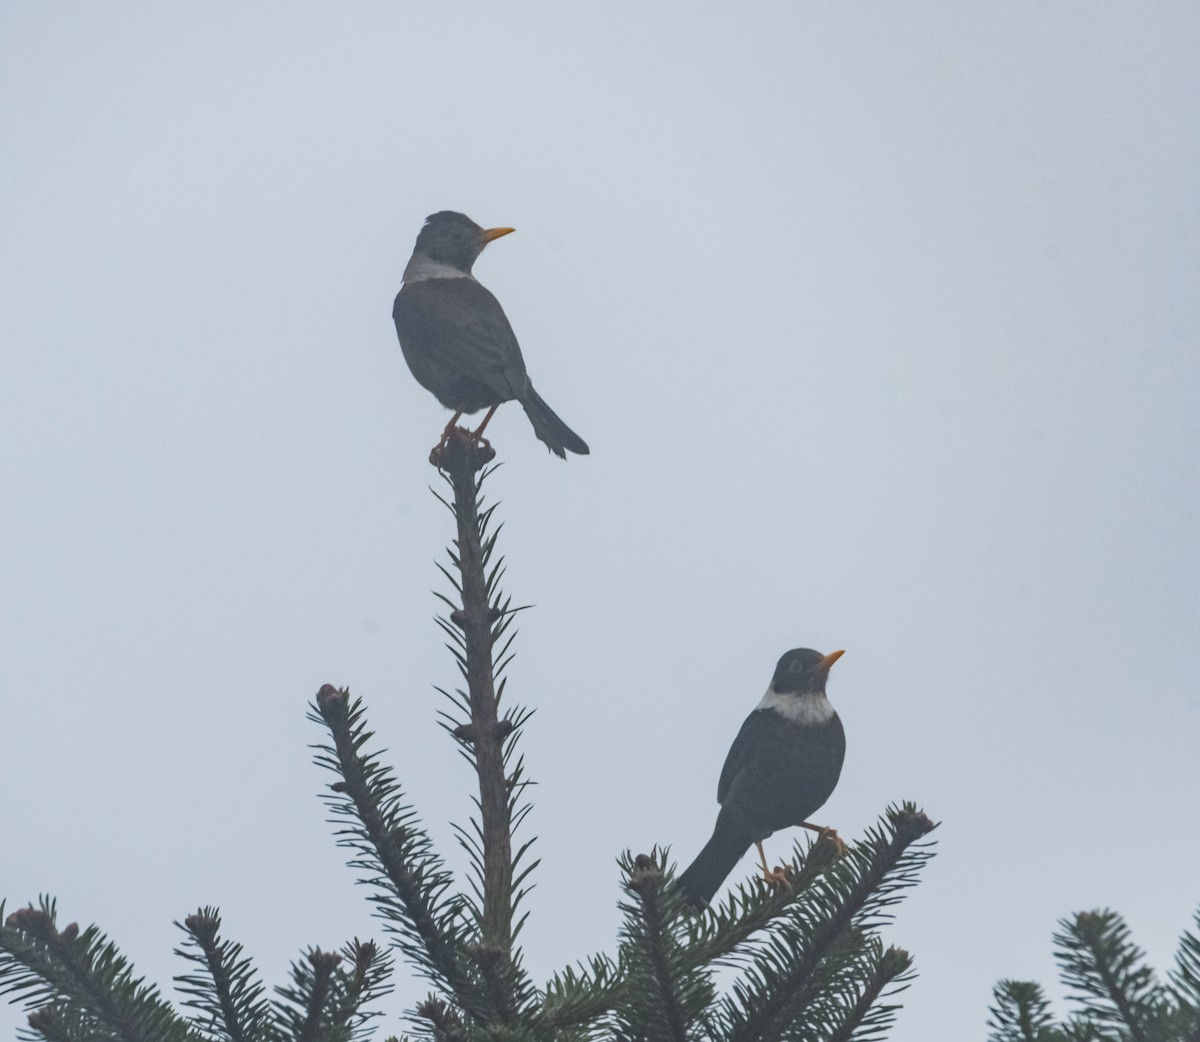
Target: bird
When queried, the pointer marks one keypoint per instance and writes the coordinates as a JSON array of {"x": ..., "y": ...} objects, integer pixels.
[
  {"x": 783, "y": 765},
  {"x": 456, "y": 338}
]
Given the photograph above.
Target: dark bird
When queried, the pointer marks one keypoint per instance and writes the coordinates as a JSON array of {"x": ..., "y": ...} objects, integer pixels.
[
  {"x": 782, "y": 767},
  {"x": 456, "y": 338}
]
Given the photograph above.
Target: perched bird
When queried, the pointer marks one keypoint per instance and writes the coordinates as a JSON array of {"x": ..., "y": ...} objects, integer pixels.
[
  {"x": 456, "y": 338},
  {"x": 781, "y": 768}
]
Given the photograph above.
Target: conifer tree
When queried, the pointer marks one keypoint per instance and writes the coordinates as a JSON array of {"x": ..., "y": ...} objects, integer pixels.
[
  {"x": 1120, "y": 998},
  {"x": 806, "y": 959}
]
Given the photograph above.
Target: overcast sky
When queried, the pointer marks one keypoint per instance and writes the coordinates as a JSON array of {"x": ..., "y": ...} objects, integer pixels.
[{"x": 881, "y": 322}]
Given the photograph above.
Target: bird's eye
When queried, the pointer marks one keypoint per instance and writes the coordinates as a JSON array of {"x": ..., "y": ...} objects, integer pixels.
[
  {"x": 796, "y": 666},
  {"x": 457, "y": 235}
]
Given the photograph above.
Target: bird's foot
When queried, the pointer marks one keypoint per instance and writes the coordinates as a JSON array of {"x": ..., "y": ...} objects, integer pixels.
[
  {"x": 437, "y": 455},
  {"x": 825, "y": 832},
  {"x": 829, "y": 835},
  {"x": 459, "y": 444},
  {"x": 779, "y": 877}
]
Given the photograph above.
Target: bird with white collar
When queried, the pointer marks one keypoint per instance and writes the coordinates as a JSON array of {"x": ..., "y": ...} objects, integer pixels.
[
  {"x": 782, "y": 767},
  {"x": 456, "y": 338}
]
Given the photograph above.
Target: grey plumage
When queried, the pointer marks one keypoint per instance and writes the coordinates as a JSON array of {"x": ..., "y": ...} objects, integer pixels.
[{"x": 455, "y": 336}]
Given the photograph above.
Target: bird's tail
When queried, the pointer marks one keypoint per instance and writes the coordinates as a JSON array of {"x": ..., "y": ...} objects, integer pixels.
[
  {"x": 704, "y": 876},
  {"x": 547, "y": 426}
]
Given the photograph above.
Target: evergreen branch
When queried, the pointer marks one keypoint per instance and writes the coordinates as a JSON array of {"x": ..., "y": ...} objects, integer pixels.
[
  {"x": 750, "y": 908},
  {"x": 502, "y": 982},
  {"x": 444, "y": 1022},
  {"x": 323, "y": 1004},
  {"x": 394, "y": 852},
  {"x": 90, "y": 983},
  {"x": 720, "y": 934},
  {"x": 368, "y": 979},
  {"x": 62, "y": 1022},
  {"x": 865, "y": 1019},
  {"x": 486, "y": 739},
  {"x": 1120, "y": 999},
  {"x": 786, "y": 989},
  {"x": 1097, "y": 958},
  {"x": 301, "y": 1009},
  {"x": 578, "y": 999},
  {"x": 1185, "y": 982},
  {"x": 227, "y": 990},
  {"x": 476, "y": 621},
  {"x": 821, "y": 924},
  {"x": 1083, "y": 1029},
  {"x": 661, "y": 998},
  {"x": 522, "y": 867},
  {"x": 1021, "y": 1013}
]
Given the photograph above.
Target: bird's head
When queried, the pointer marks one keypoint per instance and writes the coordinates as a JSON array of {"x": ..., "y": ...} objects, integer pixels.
[
  {"x": 454, "y": 239},
  {"x": 803, "y": 671}
]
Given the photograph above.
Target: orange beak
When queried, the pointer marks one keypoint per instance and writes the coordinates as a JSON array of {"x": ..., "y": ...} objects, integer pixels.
[
  {"x": 829, "y": 660},
  {"x": 488, "y": 234}
]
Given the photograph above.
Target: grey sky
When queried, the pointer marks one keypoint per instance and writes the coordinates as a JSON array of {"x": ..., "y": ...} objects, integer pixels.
[{"x": 880, "y": 320}]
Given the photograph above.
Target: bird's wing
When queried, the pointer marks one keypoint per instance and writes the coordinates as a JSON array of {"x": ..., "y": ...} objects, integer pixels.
[
  {"x": 470, "y": 328},
  {"x": 757, "y": 731}
]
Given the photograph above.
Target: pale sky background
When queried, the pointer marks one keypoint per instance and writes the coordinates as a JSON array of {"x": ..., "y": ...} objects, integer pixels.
[{"x": 881, "y": 322}]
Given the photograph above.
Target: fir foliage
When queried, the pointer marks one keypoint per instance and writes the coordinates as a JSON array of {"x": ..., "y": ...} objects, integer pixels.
[
  {"x": 328, "y": 991},
  {"x": 1119, "y": 997},
  {"x": 224, "y": 987},
  {"x": 78, "y": 983},
  {"x": 1021, "y": 1013},
  {"x": 663, "y": 997},
  {"x": 820, "y": 960},
  {"x": 410, "y": 886},
  {"x": 799, "y": 962},
  {"x": 81, "y": 989}
]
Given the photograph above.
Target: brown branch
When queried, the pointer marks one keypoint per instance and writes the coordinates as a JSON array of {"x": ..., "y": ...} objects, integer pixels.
[{"x": 461, "y": 457}]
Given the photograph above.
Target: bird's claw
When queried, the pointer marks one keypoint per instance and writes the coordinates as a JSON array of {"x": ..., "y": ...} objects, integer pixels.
[
  {"x": 461, "y": 440},
  {"x": 831, "y": 836},
  {"x": 779, "y": 877}
]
